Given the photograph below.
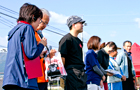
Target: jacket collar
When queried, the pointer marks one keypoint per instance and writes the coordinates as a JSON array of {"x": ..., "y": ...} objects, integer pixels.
[
  {"x": 128, "y": 53},
  {"x": 104, "y": 51},
  {"x": 24, "y": 22}
]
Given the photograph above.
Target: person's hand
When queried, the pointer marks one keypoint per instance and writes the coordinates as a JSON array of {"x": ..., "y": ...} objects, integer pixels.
[
  {"x": 134, "y": 78},
  {"x": 123, "y": 78},
  {"x": 43, "y": 53},
  {"x": 135, "y": 83},
  {"x": 43, "y": 41},
  {"x": 101, "y": 83},
  {"x": 109, "y": 74},
  {"x": 103, "y": 78},
  {"x": 52, "y": 53}
]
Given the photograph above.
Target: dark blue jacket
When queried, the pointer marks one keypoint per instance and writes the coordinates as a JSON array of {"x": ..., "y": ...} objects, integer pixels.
[
  {"x": 90, "y": 61},
  {"x": 14, "y": 73}
]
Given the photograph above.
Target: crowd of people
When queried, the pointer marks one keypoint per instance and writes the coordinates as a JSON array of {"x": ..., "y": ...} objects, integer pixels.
[{"x": 102, "y": 69}]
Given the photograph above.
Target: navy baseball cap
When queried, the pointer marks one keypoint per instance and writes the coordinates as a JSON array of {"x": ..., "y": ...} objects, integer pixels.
[{"x": 74, "y": 19}]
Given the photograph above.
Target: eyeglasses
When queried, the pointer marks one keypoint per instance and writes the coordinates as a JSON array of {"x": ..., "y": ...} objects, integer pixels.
[{"x": 43, "y": 22}]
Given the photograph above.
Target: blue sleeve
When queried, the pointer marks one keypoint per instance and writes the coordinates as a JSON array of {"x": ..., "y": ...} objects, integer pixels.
[
  {"x": 112, "y": 67},
  {"x": 121, "y": 71},
  {"x": 32, "y": 50}
]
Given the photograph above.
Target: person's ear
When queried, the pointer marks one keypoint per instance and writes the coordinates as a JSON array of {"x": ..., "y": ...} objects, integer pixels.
[
  {"x": 73, "y": 25},
  {"x": 34, "y": 18}
]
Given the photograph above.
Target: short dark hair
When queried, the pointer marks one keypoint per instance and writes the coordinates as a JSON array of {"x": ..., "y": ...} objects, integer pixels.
[
  {"x": 29, "y": 13},
  {"x": 93, "y": 42},
  {"x": 112, "y": 44},
  {"x": 70, "y": 27},
  {"x": 127, "y": 41}
]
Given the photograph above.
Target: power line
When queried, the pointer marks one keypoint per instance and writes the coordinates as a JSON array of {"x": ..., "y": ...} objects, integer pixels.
[
  {"x": 7, "y": 20},
  {"x": 8, "y": 10},
  {"x": 57, "y": 28},
  {"x": 8, "y": 15},
  {"x": 120, "y": 23},
  {"x": 54, "y": 32},
  {"x": 46, "y": 29},
  {"x": 2, "y": 7},
  {"x": 5, "y": 24}
]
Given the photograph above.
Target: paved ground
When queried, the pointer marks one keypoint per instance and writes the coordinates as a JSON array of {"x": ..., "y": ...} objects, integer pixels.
[
  {"x": 52, "y": 88},
  {"x": 1, "y": 84}
]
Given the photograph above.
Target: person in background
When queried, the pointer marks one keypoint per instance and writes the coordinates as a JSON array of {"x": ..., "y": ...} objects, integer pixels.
[
  {"x": 42, "y": 81},
  {"x": 15, "y": 76},
  {"x": 115, "y": 81},
  {"x": 70, "y": 47},
  {"x": 103, "y": 58},
  {"x": 124, "y": 60},
  {"x": 95, "y": 76}
]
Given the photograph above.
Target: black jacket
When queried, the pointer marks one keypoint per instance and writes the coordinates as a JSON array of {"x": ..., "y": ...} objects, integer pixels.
[{"x": 103, "y": 59}]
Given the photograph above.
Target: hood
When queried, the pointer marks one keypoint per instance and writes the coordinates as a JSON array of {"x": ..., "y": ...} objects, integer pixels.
[{"x": 11, "y": 33}]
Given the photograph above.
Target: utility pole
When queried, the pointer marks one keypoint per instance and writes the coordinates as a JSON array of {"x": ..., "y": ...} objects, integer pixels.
[{"x": 83, "y": 43}]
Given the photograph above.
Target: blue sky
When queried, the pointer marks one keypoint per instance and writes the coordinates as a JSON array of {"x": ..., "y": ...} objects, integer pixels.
[{"x": 111, "y": 20}]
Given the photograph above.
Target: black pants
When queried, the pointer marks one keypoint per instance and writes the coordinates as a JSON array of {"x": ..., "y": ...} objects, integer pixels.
[
  {"x": 14, "y": 87},
  {"x": 128, "y": 84},
  {"x": 43, "y": 86},
  {"x": 75, "y": 80}
]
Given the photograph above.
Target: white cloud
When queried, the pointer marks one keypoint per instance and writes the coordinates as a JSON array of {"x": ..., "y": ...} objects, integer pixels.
[
  {"x": 58, "y": 18},
  {"x": 138, "y": 21},
  {"x": 3, "y": 41},
  {"x": 113, "y": 33}
]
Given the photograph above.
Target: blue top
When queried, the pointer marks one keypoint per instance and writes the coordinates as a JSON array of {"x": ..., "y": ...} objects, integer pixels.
[
  {"x": 14, "y": 73},
  {"x": 114, "y": 66},
  {"x": 90, "y": 61}
]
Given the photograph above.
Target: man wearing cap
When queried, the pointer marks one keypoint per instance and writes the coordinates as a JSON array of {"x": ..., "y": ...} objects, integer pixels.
[{"x": 70, "y": 47}]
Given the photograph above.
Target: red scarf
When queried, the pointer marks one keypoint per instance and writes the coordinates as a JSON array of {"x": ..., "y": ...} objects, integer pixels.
[{"x": 24, "y": 22}]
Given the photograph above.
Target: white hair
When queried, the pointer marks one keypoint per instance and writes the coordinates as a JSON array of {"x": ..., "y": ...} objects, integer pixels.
[{"x": 44, "y": 11}]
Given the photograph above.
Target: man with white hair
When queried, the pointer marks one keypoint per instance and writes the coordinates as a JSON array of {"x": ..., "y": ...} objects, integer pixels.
[
  {"x": 45, "y": 20},
  {"x": 42, "y": 82}
]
